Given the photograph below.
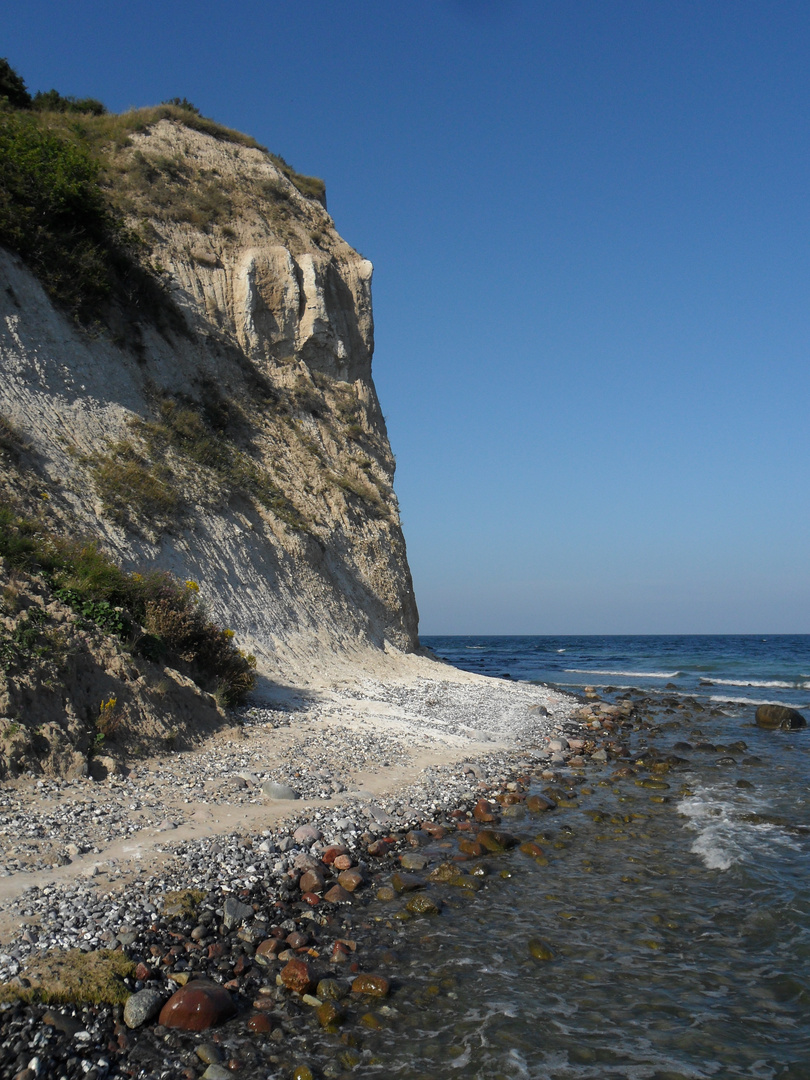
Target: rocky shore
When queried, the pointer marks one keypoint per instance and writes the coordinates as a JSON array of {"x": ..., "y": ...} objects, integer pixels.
[{"x": 119, "y": 892}]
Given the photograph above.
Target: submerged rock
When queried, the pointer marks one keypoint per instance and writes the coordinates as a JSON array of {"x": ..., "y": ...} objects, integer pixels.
[{"x": 540, "y": 949}]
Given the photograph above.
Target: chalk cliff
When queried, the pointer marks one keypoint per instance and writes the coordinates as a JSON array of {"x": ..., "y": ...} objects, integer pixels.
[{"x": 241, "y": 446}]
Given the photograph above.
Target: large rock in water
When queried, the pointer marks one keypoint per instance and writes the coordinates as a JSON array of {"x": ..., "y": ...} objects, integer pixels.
[{"x": 779, "y": 716}]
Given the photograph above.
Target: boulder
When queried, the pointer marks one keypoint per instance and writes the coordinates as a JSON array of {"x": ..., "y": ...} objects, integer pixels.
[
  {"x": 779, "y": 716},
  {"x": 197, "y": 1006},
  {"x": 278, "y": 791}
]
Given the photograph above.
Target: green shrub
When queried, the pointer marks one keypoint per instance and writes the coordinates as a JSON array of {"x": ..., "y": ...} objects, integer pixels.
[
  {"x": 53, "y": 215},
  {"x": 12, "y": 87},
  {"x": 52, "y": 101},
  {"x": 176, "y": 622}
]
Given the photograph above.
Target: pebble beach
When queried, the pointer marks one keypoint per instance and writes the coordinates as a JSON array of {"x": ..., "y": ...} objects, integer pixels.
[{"x": 187, "y": 865}]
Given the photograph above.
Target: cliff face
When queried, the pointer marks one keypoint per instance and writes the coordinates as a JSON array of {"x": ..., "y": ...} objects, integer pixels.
[{"x": 242, "y": 446}]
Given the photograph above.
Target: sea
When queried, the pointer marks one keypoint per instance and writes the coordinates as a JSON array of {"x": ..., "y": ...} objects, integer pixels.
[{"x": 676, "y": 914}]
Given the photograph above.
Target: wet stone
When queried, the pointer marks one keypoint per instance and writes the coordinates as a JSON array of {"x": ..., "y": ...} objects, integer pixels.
[
  {"x": 338, "y": 895},
  {"x": 422, "y": 904},
  {"x": 197, "y": 1006},
  {"x": 411, "y": 860},
  {"x": 371, "y": 985},
  {"x": 404, "y": 882},
  {"x": 540, "y": 950}
]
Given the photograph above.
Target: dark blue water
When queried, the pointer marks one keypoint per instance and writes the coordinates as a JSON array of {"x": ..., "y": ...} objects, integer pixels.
[{"x": 741, "y": 669}]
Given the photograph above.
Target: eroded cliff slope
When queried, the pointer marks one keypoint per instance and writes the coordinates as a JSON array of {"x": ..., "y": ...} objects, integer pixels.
[{"x": 241, "y": 445}]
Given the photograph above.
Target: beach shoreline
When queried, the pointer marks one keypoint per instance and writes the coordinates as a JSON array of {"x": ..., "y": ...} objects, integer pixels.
[
  {"x": 416, "y": 752},
  {"x": 379, "y": 737}
]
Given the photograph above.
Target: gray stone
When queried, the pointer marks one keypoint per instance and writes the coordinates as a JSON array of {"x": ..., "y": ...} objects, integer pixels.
[
  {"x": 413, "y": 861},
  {"x": 217, "y": 1072},
  {"x": 208, "y": 1053},
  {"x": 306, "y": 834},
  {"x": 235, "y": 912},
  {"x": 278, "y": 791},
  {"x": 142, "y": 1007}
]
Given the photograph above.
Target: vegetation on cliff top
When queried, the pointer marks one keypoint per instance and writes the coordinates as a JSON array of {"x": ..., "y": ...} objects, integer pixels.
[{"x": 57, "y": 205}]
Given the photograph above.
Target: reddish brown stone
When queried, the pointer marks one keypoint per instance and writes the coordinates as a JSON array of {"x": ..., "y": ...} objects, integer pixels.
[
  {"x": 142, "y": 972},
  {"x": 343, "y": 862},
  {"x": 268, "y": 949},
  {"x": 350, "y": 880},
  {"x": 380, "y": 847},
  {"x": 217, "y": 950},
  {"x": 332, "y": 853},
  {"x": 340, "y": 953},
  {"x": 469, "y": 846},
  {"x": 311, "y": 881},
  {"x": 509, "y": 798},
  {"x": 536, "y": 804},
  {"x": 483, "y": 811},
  {"x": 260, "y": 1023},
  {"x": 297, "y": 976},
  {"x": 530, "y": 848},
  {"x": 496, "y": 841},
  {"x": 337, "y": 895},
  {"x": 242, "y": 966},
  {"x": 297, "y": 940},
  {"x": 371, "y": 985},
  {"x": 404, "y": 882},
  {"x": 311, "y": 898},
  {"x": 433, "y": 829},
  {"x": 197, "y": 1006}
]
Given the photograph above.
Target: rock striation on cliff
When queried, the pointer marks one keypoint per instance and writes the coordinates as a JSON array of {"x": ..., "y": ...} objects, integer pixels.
[{"x": 233, "y": 434}]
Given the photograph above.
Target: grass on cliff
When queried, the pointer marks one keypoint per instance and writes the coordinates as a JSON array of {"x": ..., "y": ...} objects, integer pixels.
[
  {"x": 57, "y": 195},
  {"x": 162, "y": 617},
  {"x": 182, "y": 449}
]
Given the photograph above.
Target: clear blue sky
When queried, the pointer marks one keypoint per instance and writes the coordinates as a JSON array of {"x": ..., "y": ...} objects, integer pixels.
[{"x": 589, "y": 223}]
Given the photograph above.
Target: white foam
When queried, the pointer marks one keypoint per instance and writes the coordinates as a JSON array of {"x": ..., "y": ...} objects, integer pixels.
[
  {"x": 743, "y": 700},
  {"x": 625, "y": 674},
  {"x": 724, "y": 838},
  {"x": 774, "y": 684}
]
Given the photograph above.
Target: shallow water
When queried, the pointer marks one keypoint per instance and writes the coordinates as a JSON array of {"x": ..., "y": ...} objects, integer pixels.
[{"x": 678, "y": 918}]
